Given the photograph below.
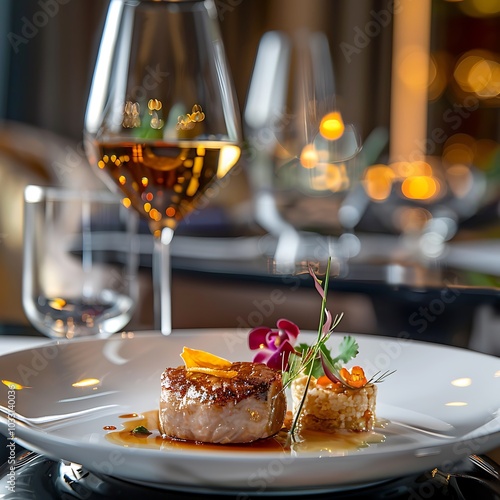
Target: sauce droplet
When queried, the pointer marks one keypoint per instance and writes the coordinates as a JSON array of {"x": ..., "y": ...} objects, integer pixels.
[
  {"x": 109, "y": 428},
  {"x": 129, "y": 415}
]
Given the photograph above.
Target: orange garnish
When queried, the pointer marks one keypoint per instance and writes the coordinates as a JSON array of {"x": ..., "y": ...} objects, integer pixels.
[
  {"x": 354, "y": 378},
  {"x": 204, "y": 362},
  {"x": 324, "y": 380}
]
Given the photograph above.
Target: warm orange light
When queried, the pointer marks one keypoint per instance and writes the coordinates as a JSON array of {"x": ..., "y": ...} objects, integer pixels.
[
  {"x": 480, "y": 8},
  {"x": 332, "y": 126},
  {"x": 228, "y": 157},
  {"x": 334, "y": 178},
  {"x": 378, "y": 181},
  {"x": 478, "y": 72},
  {"x": 422, "y": 168},
  {"x": 419, "y": 187},
  {"x": 479, "y": 76},
  {"x": 308, "y": 156},
  {"x": 57, "y": 304},
  {"x": 87, "y": 382},
  {"x": 438, "y": 69},
  {"x": 404, "y": 169},
  {"x": 155, "y": 215},
  {"x": 458, "y": 153},
  {"x": 147, "y": 207},
  {"x": 14, "y": 385},
  {"x": 145, "y": 181},
  {"x": 414, "y": 68},
  {"x": 170, "y": 212},
  {"x": 126, "y": 202},
  {"x": 149, "y": 196}
]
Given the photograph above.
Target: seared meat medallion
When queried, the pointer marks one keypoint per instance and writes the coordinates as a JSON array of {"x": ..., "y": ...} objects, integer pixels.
[{"x": 202, "y": 407}]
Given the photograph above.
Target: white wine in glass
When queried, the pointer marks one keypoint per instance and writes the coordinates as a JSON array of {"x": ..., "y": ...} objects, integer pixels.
[{"x": 162, "y": 121}]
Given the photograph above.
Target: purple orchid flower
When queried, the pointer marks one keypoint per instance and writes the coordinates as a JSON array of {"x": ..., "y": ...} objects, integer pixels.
[{"x": 274, "y": 346}]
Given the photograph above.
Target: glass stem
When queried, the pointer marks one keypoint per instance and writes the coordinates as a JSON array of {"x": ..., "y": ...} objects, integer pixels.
[{"x": 162, "y": 282}]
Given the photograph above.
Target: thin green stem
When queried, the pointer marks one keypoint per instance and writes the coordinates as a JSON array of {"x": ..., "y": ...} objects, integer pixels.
[{"x": 315, "y": 348}]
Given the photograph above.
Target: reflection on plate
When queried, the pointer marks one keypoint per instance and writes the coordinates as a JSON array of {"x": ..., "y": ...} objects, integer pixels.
[{"x": 441, "y": 405}]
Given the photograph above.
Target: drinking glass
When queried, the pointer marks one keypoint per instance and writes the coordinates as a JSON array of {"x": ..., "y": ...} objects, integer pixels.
[
  {"x": 304, "y": 152},
  {"x": 80, "y": 262},
  {"x": 162, "y": 123}
]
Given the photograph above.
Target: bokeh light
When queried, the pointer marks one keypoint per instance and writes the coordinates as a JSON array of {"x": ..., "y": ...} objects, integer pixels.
[
  {"x": 438, "y": 75},
  {"x": 420, "y": 187},
  {"x": 480, "y": 8},
  {"x": 308, "y": 156},
  {"x": 478, "y": 72},
  {"x": 332, "y": 126},
  {"x": 378, "y": 181}
]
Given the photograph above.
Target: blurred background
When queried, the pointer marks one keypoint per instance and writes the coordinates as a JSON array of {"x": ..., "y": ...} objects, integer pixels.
[{"x": 420, "y": 81}]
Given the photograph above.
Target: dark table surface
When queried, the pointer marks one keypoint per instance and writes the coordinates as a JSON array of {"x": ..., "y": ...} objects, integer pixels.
[{"x": 465, "y": 280}]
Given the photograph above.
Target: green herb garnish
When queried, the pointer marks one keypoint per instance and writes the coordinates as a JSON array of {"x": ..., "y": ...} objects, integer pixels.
[
  {"x": 316, "y": 360},
  {"x": 141, "y": 430},
  {"x": 307, "y": 362}
]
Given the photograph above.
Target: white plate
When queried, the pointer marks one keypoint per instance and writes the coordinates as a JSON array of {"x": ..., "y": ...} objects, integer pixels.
[{"x": 442, "y": 403}]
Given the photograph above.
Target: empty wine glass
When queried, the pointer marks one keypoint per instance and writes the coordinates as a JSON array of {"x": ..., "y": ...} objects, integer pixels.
[
  {"x": 305, "y": 155},
  {"x": 162, "y": 122}
]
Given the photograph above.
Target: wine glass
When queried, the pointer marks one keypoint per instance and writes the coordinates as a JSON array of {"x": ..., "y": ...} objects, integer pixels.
[
  {"x": 162, "y": 122},
  {"x": 305, "y": 154}
]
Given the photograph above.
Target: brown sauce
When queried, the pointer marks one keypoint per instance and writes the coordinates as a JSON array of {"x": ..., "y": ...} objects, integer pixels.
[{"x": 336, "y": 443}]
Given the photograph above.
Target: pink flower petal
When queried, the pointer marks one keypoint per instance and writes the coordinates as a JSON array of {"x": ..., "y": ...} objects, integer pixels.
[
  {"x": 327, "y": 369},
  {"x": 258, "y": 337},
  {"x": 290, "y": 328},
  {"x": 279, "y": 360},
  {"x": 262, "y": 356},
  {"x": 317, "y": 283},
  {"x": 328, "y": 322},
  {"x": 271, "y": 338}
]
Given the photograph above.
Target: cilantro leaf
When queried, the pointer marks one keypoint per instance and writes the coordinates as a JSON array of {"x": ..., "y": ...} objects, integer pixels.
[{"x": 348, "y": 349}]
